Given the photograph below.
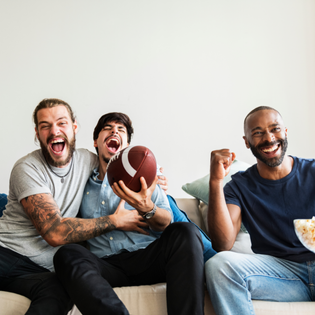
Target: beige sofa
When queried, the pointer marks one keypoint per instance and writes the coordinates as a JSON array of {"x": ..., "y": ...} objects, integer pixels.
[{"x": 151, "y": 300}]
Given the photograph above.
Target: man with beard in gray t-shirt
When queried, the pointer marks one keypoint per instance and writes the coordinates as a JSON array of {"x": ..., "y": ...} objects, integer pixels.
[{"x": 46, "y": 188}]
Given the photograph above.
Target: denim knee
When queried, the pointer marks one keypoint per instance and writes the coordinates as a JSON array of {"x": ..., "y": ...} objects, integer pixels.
[{"x": 219, "y": 265}]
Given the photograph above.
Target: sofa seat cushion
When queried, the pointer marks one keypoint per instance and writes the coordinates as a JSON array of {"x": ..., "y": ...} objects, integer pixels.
[
  {"x": 13, "y": 304},
  {"x": 284, "y": 308},
  {"x": 147, "y": 299},
  {"x": 151, "y": 299}
]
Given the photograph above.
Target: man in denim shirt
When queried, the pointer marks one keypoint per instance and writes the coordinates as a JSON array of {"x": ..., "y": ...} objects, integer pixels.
[{"x": 141, "y": 247}]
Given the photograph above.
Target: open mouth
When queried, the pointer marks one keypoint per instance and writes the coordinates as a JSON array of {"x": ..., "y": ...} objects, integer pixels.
[
  {"x": 113, "y": 144},
  {"x": 57, "y": 145},
  {"x": 271, "y": 149}
]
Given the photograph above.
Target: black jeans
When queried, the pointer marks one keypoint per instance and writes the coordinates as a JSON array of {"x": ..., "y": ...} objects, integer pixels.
[
  {"x": 175, "y": 258},
  {"x": 18, "y": 274}
]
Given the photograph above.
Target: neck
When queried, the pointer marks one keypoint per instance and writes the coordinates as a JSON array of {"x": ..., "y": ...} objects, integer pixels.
[
  {"x": 102, "y": 169},
  {"x": 52, "y": 163},
  {"x": 275, "y": 173}
]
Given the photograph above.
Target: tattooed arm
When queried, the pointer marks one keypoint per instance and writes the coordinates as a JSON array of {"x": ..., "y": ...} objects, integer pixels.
[{"x": 56, "y": 230}]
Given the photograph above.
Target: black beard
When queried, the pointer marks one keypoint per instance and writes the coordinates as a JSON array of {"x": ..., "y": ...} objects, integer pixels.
[
  {"x": 105, "y": 159},
  {"x": 273, "y": 162},
  {"x": 50, "y": 159}
]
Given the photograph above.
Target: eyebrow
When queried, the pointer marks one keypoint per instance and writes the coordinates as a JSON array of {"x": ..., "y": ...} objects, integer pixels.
[
  {"x": 121, "y": 126},
  {"x": 270, "y": 126},
  {"x": 47, "y": 122}
]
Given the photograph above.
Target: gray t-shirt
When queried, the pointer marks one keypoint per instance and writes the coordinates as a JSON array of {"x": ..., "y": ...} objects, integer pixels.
[{"x": 30, "y": 176}]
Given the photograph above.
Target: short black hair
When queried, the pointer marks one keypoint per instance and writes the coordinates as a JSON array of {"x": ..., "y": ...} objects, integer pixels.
[
  {"x": 258, "y": 109},
  {"x": 114, "y": 117}
]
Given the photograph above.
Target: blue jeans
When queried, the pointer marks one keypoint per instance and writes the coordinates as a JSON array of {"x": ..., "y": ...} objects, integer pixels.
[{"x": 234, "y": 279}]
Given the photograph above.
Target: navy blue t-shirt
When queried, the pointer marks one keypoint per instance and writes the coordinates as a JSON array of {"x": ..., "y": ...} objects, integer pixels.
[{"x": 269, "y": 207}]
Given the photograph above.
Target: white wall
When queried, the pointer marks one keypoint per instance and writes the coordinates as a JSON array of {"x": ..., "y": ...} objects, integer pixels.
[{"x": 186, "y": 72}]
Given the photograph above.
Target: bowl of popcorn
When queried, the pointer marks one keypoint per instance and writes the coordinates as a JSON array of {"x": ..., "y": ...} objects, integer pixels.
[{"x": 305, "y": 231}]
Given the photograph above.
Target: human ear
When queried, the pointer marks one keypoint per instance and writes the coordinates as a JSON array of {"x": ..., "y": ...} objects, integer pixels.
[
  {"x": 75, "y": 127},
  {"x": 246, "y": 142},
  {"x": 36, "y": 132}
]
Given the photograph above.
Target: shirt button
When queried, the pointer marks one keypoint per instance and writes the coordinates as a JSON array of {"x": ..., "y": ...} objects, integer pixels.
[
  {"x": 104, "y": 185},
  {"x": 111, "y": 238},
  {"x": 87, "y": 192},
  {"x": 103, "y": 202},
  {"x": 94, "y": 178}
]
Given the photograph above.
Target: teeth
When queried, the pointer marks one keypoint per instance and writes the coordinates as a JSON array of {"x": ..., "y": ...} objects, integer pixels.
[
  {"x": 271, "y": 149},
  {"x": 57, "y": 141},
  {"x": 113, "y": 139}
]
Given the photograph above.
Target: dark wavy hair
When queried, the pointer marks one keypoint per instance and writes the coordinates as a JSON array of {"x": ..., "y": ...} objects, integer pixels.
[{"x": 117, "y": 118}]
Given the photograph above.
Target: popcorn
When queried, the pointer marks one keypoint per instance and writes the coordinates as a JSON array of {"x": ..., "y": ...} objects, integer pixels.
[{"x": 305, "y": 231}]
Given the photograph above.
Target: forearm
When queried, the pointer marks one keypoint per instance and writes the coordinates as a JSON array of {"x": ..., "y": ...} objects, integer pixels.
[
  {"x": 74, "y": 230},
  {"x": 56, "y": 230},
  {"x": 161, "y": 219},
  {"x": 220, "y": 224}
]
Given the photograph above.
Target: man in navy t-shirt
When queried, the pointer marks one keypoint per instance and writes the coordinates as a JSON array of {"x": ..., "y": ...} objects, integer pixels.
[{"x": 266, "y": 198}]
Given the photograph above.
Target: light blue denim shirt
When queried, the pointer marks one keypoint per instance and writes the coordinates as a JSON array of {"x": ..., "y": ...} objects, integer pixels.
[{"x": 100, "y": 200}]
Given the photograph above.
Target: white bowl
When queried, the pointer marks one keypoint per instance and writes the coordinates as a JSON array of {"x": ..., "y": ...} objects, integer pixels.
[{"x": 305, "y": 231}]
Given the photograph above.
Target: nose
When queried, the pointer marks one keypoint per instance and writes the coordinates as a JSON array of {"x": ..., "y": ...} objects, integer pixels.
[
  {"x": 115, "y": 130},
  {"x": 269, "y": 136},
  {"x": 54, "y": 130}
]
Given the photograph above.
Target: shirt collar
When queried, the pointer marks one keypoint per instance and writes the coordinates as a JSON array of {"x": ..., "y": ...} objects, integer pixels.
[{"x": 95, "y": 175}]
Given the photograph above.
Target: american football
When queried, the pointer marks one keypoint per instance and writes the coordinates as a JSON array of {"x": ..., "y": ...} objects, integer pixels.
[{"x": 130, "y": 164}]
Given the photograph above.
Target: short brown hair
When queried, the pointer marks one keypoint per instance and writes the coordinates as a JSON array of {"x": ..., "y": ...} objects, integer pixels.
[{"x": 51, "y": 102}]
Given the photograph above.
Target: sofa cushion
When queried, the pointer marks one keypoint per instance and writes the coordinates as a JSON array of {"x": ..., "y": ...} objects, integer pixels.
[
  {"x": 200, "y": 187},
  {"x": 3, "y": 202},
  {"x": 13, "y": 304},
  {"x": 143, "y": 300},
  {"x": 190, "y": 206}
]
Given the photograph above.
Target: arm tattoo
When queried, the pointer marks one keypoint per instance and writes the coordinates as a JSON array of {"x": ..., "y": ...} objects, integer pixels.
[
  {"x": 80, "y": 230},
  {"x": 42, "y": 211},
  {"x": 45, "y": 215}
]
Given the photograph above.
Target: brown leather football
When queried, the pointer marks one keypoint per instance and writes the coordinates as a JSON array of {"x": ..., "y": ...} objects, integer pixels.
[{"x": 130, "y": 164}]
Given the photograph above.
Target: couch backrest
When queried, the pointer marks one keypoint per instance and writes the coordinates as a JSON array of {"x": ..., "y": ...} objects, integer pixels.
[{"x": 191, "y": 207}]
